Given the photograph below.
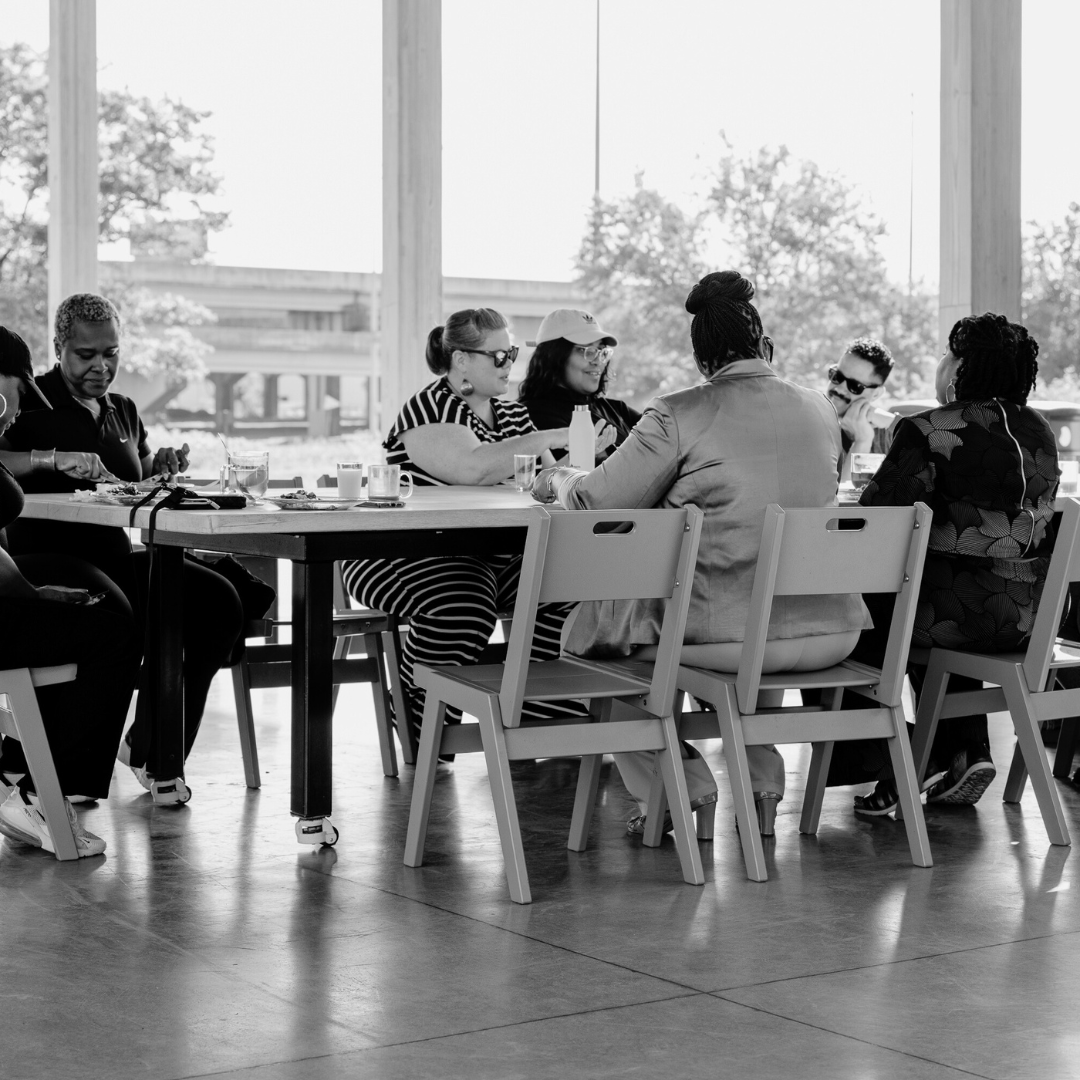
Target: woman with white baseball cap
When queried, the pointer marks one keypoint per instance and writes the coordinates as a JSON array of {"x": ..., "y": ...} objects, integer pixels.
[{"x": 568, "y": 368}]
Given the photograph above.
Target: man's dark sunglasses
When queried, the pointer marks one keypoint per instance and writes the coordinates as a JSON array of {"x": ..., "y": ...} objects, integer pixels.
[
  {"x": 836, "y": 376},
  {"x": 499, "y": 357}
]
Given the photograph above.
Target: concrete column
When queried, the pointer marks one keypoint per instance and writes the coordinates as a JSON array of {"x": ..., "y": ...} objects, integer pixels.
[
  {"x": 980, "y": 159},
  {"x": 73, "y": 150},
  {"x": 411, "y": 287}
]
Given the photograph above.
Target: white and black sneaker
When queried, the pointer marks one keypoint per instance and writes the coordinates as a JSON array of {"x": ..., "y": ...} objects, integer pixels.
[
  {"x": 21, "y": 818},
  {"x": 968, "y": 777},
  {"x": 173, "y": 792}
]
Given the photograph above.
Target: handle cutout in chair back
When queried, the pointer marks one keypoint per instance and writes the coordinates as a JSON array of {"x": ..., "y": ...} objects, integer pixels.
[
  {"x": 846, "y": 524},
  {"x": 617, "y": 528}
]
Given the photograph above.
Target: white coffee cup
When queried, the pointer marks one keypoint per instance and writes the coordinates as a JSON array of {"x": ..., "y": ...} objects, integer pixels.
[
  {"x": 386, "y": 482},
  {"x": 350, "y": 480}
]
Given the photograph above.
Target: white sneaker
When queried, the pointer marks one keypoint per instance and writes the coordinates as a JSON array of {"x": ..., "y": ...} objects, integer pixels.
[
  {"x": 8, "y": 782},
  {"x": 21, "y": 818},
  {"x": 172, "y": 792}
]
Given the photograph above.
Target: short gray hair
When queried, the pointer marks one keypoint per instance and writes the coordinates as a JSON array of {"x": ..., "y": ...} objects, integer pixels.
[{"x": 82, "y": 307}]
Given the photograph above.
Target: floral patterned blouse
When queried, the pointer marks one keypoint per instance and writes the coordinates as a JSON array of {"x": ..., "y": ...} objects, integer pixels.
[{"x": 988, "y": 470}]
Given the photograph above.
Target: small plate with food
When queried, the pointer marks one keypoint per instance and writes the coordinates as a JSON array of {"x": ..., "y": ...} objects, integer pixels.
[{"x": 309, "y": 500}]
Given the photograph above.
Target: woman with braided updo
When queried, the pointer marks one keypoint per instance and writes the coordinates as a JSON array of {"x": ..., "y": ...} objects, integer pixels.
[
  {"x": 731, "y": 445},
  {"x": 987, "y": 466}
]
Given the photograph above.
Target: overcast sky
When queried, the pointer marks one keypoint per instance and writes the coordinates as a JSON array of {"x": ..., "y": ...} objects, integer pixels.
[{"x": 294, "y": 88}]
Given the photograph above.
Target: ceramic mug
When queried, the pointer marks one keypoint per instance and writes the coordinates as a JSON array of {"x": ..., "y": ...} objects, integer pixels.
[{"x": 387, "y": 481}]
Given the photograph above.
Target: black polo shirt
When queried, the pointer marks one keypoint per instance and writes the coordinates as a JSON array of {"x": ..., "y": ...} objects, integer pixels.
[{"x": 117, "y": 435}]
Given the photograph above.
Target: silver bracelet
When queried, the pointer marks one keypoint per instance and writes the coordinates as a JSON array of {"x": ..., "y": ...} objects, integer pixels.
[{"x": 43, "y": 460}]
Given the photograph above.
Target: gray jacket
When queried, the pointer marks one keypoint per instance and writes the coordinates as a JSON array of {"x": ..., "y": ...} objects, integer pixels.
[{"x": 730, "y": 446}]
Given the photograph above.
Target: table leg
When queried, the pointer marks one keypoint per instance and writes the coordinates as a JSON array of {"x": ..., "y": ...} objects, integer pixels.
[
  {"x": 312, "y": 688},
  {"x": 166, "y": 660}
]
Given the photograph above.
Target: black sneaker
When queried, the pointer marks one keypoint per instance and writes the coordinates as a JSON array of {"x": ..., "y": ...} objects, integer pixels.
[{"x": 968, "y": 777}]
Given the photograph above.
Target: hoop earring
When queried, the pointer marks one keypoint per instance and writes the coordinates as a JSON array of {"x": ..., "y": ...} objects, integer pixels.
[
  {"x": 467, "y": 388},
  {"x": 4, "y": 400},
  {"x": 950, "y": 393}
]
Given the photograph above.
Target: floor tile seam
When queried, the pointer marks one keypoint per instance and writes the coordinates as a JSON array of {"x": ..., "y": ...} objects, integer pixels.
[
  {"x": 433, "y": 1038},
  {"x": 529, "y": 937},
  {"x": 847, "y": 1035},
  {"x": 893, "y": 963}
]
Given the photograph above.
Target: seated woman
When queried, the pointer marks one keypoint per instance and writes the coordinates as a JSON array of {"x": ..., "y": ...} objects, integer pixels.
[
  {"x": 458, "y": 430},
  {"x": 986, "y": 465},
  {"x": 45, "y": 620},
  {"x": 742, "y": 439},
  {"x": 570, "y": 367},
  {"x": 105, "y": 428}
]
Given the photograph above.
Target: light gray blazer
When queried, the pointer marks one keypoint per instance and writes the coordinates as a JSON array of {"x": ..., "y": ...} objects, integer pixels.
[{"x": 730, "y": 446}]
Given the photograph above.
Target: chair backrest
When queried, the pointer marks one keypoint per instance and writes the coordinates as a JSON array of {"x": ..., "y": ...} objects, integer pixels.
[
  {"x": 579, "y": 555},
  {"x": 1064, "y": 569},
  {"x": 326, "y": 481},
  {"x": 820, "y": 551}
]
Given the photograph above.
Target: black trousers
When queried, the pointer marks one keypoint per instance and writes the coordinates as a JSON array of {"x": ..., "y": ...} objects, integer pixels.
[
  {"x": 83, "y": 719},
  {"x": 865, "y": 760},
  {"x": 213, "y": 619}
]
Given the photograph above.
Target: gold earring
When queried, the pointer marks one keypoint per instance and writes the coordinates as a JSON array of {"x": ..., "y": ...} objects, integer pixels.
[{"x": 467, "y": 388}]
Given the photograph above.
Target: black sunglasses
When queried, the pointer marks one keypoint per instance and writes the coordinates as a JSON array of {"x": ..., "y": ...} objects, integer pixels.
[
  {"x": 836, "y": 376},
  {"x": 499, "y": 357}
]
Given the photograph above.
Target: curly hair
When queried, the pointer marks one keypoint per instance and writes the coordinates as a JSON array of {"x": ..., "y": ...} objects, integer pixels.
[
  {"x": 464, "y": 330},
  {"x": 997, "y": 359},
  {"x": 82, "y": 307},
  {"x": 873, "y": 351},
  {"x": 547, "y": 367},
  {"x": 726, "y": 325}
]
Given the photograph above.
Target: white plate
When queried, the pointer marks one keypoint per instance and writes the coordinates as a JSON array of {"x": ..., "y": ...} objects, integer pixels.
[{"x": 312, "y": 504}]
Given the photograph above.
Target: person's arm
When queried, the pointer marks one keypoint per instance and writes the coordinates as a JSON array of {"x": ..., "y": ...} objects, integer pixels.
[
  {"x": 637, "y": 475},
  {"x": 74, "y": 464},
  {"x": 13, "y": 586},
  {"x": 453, "y": 454}
]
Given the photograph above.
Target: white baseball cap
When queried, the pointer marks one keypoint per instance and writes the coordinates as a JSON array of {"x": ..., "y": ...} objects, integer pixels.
[{"x": 576, "y": 326}]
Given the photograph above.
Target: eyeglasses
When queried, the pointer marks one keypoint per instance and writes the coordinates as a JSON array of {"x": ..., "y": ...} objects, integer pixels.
[
  {"x": 595, "y": 352},
  {"x": 499, "y": 357},
  {"x": 836, "y": 376}
]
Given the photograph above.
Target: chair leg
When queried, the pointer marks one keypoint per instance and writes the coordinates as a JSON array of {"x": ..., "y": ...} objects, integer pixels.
[
  {"x": 1016, "y": 781},
  {"x": 741, "y": 788},
  {"x": 1018, "y": 699},
  {"x": 931, "y": 701},
  {"x": 424, "y": 779},
  {"x": 245, "y": 719},
  {"x": 671, "y": 767},
  {"x": 19, "y": 688},
  {"x": 1068, "y": 740},
  {"x": 406, "y": 729},
  {"x": 820, "y": 760},
  {"x": 908, "y": 789},
  {"x": 658, "y": 808},
  {"x": 385, "y": 727},
  {"x": 588, "y": 782},
  {"x": 502, "y": 795}
]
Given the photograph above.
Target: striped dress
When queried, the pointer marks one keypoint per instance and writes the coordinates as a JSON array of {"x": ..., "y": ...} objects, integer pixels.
[{"x": 452, "y": 602}]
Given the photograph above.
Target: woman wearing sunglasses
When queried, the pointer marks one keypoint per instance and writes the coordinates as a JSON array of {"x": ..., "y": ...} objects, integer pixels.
[
  {"x": 570, "y": 367},
  {"x": 460, "y": 430}
]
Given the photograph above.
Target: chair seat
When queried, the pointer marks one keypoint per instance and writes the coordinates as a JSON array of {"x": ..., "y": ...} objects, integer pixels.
[
  {"x": 848, "y": 673},
  {"x": 550, "y": 680}
]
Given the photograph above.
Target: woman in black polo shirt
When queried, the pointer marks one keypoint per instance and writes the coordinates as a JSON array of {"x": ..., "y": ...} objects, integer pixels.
[{"x": 106, "y": 428}]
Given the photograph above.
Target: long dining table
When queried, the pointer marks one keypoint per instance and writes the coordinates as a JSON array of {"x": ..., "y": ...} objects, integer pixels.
[{"x": 436, "y": 520}]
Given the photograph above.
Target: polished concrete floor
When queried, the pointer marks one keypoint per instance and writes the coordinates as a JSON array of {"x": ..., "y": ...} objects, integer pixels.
[{"x": 208, "y": 943}]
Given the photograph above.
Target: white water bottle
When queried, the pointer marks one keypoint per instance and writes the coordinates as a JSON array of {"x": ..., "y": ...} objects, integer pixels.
[{"x": 582, "y": 439}]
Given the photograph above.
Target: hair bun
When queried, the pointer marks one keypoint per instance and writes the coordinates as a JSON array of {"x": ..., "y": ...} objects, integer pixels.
[{"x": 727, "y": 285}]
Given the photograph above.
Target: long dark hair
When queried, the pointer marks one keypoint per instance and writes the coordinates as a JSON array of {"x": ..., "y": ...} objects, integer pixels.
[
  {"x": 997, "y": 359},
  {"x": 464, "y": 330},
  {"x": 547, "y": 370},
  {"x": 726, "y": 325}
]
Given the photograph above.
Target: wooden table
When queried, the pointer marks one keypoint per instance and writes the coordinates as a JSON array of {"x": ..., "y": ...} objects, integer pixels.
[{"x": 449, "y": 520}]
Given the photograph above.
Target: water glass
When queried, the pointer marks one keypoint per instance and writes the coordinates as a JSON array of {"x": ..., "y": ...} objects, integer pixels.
[
  {"x": 350, "y": 480},
  {"x": 249, "y": 472},
  {"x": 863, "y": 467},
  {"x": 1070, "y": 477},
  {"x": 386, "y": 482},
  {"x": 524, "y": 471}
]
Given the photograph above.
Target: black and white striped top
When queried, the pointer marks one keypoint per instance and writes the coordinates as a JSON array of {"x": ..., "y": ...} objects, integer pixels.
[{"x": 438, "y": 404}]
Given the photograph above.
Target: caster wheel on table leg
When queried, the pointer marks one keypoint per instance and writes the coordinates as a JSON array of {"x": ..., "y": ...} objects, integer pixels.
[{"x": 316, "y": 831}]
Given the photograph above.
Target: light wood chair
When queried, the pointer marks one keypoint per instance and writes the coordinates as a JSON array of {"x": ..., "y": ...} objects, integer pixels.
[
  {"x": 571, "y": 556},
  {"x": 812, "y": 552},
  {"x": 1024, "y": 683},
  {"x": 21, "y": 719}
]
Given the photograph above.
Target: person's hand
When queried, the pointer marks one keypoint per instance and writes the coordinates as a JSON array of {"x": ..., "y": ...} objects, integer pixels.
[
  {"x": 170, "y": 461},
  {"x": 558, "y": 438},
  {"x": 62, "y": 594},
  {"x": 541, "y": 489},
  {"x": 605, "y": 435},
  {"x": 79, "y": 466},
  {"x": 857, "y": 424}
]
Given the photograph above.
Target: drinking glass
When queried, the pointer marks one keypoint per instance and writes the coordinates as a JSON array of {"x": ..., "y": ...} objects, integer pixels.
[
  {"x": 386, "y": 481},
  {"x": 863, "y": 467},
  {"x": 1070, "y": 477},
  {"x": 249, "y": 472},
  {"x": 524, "y": 471},
  {"x": 350, "y": 479}
]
